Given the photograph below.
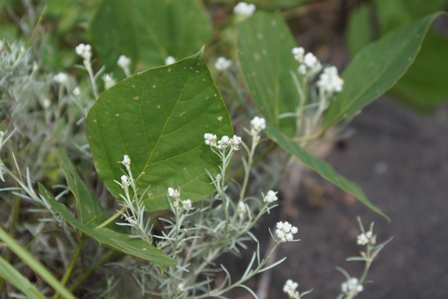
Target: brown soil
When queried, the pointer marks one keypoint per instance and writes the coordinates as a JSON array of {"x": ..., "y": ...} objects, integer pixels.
[{"x": 400, "y": 160}]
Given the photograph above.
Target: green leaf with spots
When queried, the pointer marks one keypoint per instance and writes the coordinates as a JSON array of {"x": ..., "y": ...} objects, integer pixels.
[
  {"x": 108, "y": 237},
  {"x": 264, "y": 51},
  {"x": 377, "y": 68},
  {"x": 149, "y": 31},
  {"x": 322, "y": 168},
  {"x": 158, "y": 118}
]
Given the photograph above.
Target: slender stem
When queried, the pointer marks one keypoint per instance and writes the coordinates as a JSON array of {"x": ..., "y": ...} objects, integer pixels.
[
  {"x": 72, "y": 264},
  {"x": 248, "y": 166},
  {"x": 112, "y": 218},
  {"x": 85, "y": 274}
]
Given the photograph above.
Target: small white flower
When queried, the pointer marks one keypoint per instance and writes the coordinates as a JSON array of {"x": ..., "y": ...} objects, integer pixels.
[
  {"x": 244, "y": 9},
  {"x": 173, "y": 192},
  {"x": 270, "y": 197},
  {"x": 210, "y": 139},
  {"x": 170, "y": 60},
  {"x": 257, "y": 125},
  {"x": 123, "y": 62},
  {"x": 186, "y": 205},
  {"x": 298, "y": 53},
  {"x": 241, "y": 209},
  {"x": 76, "y": 91},
  {"x": 235, "y": 141},
  {"x": 84, "y": 51},
  {"x": 61, "y": 78},
  {"x": 222, "y": 64},
  {"x": 302, "y": 69},
  {"x": 290, "y": 289},
  {"x": 224, "y": 142},
  {"x": 330, "y": 81},
  {"x": 126, "y": 161},
  {"x": 366, "y": 238},
  {"x": 310, "y": 60},
  {"x": 285, "y": 231},
  {"x": 351, "y": 287},
  {"x": 125, "y": 181},
  {"x": 108, "y": 81}
]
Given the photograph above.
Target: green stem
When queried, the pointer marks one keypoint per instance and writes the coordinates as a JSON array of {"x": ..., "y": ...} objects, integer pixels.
[
  {"x": 81, "y": 278},
  {"x": 34, "y": 264},
  {"x": 72, "y": 264},
  {"x": 112, "y": 218}
]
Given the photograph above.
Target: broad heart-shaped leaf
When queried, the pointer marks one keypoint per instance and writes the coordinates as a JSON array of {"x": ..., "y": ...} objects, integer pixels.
[
  {"x": 264, "y": 50},
  {"x": 158, "y": 118},
  {"x": 110, "y": 238},
  {"x": 377, "y": 68},
  {"x": 89, "y": 210},
  {"x": 322, "y": 168},
  {"x": 149, "y": 31}
]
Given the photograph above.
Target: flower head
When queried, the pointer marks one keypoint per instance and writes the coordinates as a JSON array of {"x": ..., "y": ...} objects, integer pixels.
[
  {"x": 109, "y": 81},
  {"x": 222, "y": 64},
  {"x": 126, "y": 161},
  {"x": 298, "y": 53},
  {"x": 351, "y": 287},
  {"x": 330, "y": 81},
  {"x": 290, "y": 289},
  {"x": 210, "y": 139},
  {"x": 244, "y": 9},
  {"x": 366, "y": 238},
  {"x": 285, "y": 231},
  {"x": 84, "y": 51},
  {"x": 76, "y": 91},
  {"x": 61, "y": 78},
  {"x": 270, "y": 197},
  {"x": 257, "y": 124},
  {"x": 173, "y": 192},
  {"x": 186, "y": 205},
  {"x": 241, "y": 209},
  {"x": 123, "y": 62},
  {"x": 125, "y": 181}
]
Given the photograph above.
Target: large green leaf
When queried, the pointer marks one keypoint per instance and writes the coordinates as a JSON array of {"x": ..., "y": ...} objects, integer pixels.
[
  {"x": 264, "y": 50},
  {"x": 110, "y": 238},
  {"x": 149, "y": 31},
  {"x": 322, "y": 168},
  {"x": 377, "y": 68},
  {"x": 158, "y": 118},
  {"x": 425, "y": 84},
  {"x": 89, "y": 209}
]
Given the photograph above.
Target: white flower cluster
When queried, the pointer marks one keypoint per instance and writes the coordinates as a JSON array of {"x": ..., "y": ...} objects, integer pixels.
[
  {"x": 125, "y": 182},
  {"x": 224, "y": 142},
  {"x": 126, "y": 161},
  {"x": 285, "y": 231},
  {"x": 61, "y": 78},
  {"x": 84, "y": 51},
  {"x": 123, "y": 62},
  {"x": 109, "y": 81},
  {"x": 366, "y": 238},
  {"x": 290, "y": 289},
  {"x": 330, "y": 81},
  {"x": 184, "y": 204},
  {"x": 222, "y": 64},
  {"x": 244, "y": 9},
  {"x": 257, "y": 124},
  {"x": 241, "y": 209},
  {"x": 173, "y": 192},
  {"x": 170, "y": 60},
  {"x": 309, "y": 64},
  {"x": 351, "y": 287},
  {"x": 270, "y": 197}
]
